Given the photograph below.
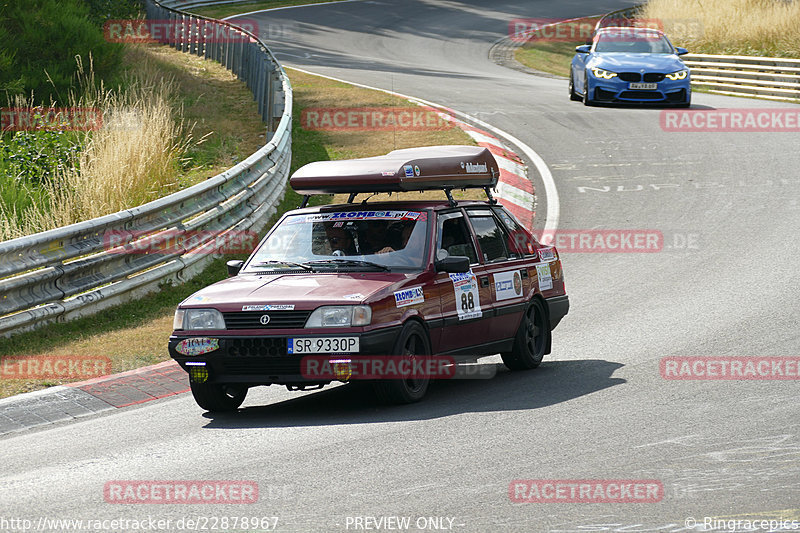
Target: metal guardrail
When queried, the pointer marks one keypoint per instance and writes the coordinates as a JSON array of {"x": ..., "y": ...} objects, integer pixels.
[
  {"x": 70, "y": 272},
  {"x": 762, "y": 77}
]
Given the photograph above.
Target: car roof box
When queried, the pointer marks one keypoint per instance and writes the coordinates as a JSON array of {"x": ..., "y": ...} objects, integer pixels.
[{"x": 410, "y": 169}]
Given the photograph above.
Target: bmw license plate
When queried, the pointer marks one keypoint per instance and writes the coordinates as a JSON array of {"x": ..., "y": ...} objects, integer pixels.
[
  {"x": 322, "y": 345},
  {"x": 645, "y": 86}
]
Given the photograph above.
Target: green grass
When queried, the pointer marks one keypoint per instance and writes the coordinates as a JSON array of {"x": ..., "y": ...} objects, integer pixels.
[
  {"x": 219, "y": 12},
  {"x": 551, "y": 57}
]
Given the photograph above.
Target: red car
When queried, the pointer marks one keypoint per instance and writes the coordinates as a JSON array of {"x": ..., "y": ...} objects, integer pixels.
[{"x": 402, "y": 279}]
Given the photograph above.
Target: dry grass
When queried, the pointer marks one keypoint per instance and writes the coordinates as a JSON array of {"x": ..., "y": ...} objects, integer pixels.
[
  {"x": 179, "y": 120},
  {"x": 738, "y": 27}
]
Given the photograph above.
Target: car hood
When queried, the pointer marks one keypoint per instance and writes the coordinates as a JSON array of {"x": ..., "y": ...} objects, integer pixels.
[
  {"x": 621, "y": 62},
  {"x": 303, "y": 291}
]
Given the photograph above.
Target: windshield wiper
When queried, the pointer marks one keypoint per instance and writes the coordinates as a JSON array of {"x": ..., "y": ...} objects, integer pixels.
[
  {"x": 354, "y": 262},
  {"x": 287, "y": 263}
]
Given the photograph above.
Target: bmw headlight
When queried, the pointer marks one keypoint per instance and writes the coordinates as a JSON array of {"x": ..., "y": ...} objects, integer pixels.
[
  {"x": 679, "y": 75},
  {"x": 189, "y": 319},
  {"x": 340, "y": 316},
  {"x": 604, "y": 74}
]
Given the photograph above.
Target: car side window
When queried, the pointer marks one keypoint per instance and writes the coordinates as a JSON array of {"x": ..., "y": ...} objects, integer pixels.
[
  {"x": 519, "y": 241},
  {"x": 491, "y": 237},
  {"x": 454, "y": 237}
]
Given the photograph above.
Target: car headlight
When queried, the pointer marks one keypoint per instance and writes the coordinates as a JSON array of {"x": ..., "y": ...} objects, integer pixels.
[
  {"x": 198, "y": 319},
  {"x": 340, "y": 316},
  {"x": 177, "y": 322},
  {"x": 605, "y": 74},
  {"x": 679, "y": 75}
]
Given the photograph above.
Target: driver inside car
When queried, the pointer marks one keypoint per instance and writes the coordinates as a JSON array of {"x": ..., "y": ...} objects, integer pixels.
[{"x": 340, "y": 240}]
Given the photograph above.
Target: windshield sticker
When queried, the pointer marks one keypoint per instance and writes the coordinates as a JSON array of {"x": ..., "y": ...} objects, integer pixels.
[
  {"x": 409, "y": 171},
  {"x": 407, "y": 297},
  {"x": 508, "y": 285},
  {"x": 468, "y": 303},
  {"x": 280, "y": 307},
  {"x": 416, "y": 171},
  {"x": 547, "y": 254},
  {"x": 390, "y": 173},
  {"x": 545, "y": 279},
  {"x": 341, "y": 216},
  {"x": 197, "y": 346}
]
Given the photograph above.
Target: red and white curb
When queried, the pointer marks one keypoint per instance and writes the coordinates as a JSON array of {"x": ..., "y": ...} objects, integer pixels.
[{"x": 514, "y": 189}]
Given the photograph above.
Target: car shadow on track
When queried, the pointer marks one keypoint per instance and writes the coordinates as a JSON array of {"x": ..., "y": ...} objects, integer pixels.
[{"x": 552, "y": 383}]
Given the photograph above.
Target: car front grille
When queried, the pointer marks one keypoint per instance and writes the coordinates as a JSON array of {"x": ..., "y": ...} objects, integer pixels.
[
  {"x": 256, "y": 347},
  {"x": 277, "y": 319},
  {"x": 653, "y": 77},
  {"x": 642, "y": 95},
  {"x": 630, "y": 76}
]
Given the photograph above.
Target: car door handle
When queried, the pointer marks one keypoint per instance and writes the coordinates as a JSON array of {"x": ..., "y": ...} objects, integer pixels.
[{"x": 485, "y": 281}]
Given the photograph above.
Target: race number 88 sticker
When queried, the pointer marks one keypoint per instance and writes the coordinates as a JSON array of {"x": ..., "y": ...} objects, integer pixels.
[{"x": 468, "y": 302}]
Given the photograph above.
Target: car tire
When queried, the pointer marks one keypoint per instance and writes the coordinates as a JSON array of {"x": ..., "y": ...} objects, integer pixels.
[
  {"x": 532, "y": 339},
  {"x": 585, "y": 98},
  {"x": 413, "y": 340},
  {"x": 217, "y": 397},
  {"x": 572, "y": 94}
]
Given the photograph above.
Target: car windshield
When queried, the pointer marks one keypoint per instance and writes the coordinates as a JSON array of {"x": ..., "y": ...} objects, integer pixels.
[
  {"x": 632, "y": 40},
  {"x": 352, "y": 240}
]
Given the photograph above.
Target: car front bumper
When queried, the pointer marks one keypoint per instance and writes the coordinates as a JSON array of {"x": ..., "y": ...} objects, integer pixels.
[
  {"x": 616, "y": 90},
  {"x": 264, "y": 359}
]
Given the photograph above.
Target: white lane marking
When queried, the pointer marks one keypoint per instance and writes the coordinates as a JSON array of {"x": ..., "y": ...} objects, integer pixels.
[
  {"x": 553, "y": 205},
  {"x": 291, "y": 7}
]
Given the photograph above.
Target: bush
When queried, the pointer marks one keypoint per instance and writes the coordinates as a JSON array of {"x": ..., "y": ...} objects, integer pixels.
[{"x": 39, "y": 40}]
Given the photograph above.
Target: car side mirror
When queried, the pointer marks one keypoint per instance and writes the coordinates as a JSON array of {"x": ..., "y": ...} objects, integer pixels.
[
  {"x": 583, "y": 49},
  {"x": 234, "y": 266},
  {"x": 681, "y": 51},
  {"x": 453, "y": 264}
]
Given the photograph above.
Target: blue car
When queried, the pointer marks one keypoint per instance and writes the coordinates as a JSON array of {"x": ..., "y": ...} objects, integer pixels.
[{"x": 630, "y": 65}]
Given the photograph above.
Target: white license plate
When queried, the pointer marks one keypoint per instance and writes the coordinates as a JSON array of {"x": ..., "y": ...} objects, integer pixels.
[
  {"x": 645, "y": 86},
  {"x": 322, "y": 345}
]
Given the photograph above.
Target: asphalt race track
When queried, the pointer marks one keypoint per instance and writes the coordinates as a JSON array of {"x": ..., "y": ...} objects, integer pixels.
[{"x": 725, "y": 283}]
